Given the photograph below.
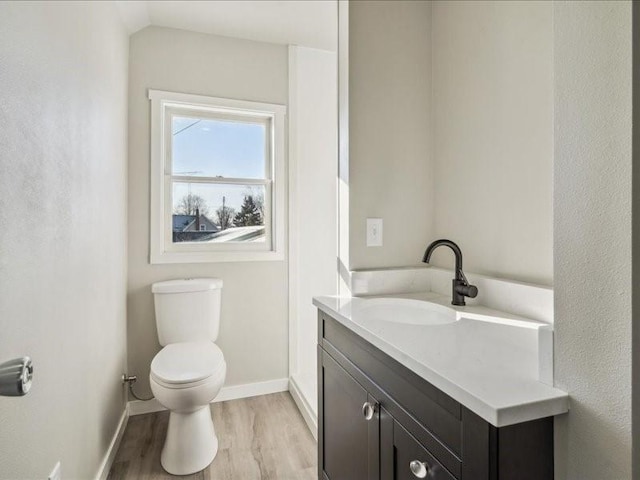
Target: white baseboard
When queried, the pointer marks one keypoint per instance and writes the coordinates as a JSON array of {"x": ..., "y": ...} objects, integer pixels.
[
  {"x": 232, "y": 392},
  {"x": 110, "y": 455},
  {"x": 307, "y": 412},
  {"x": 140, "y": 407}
]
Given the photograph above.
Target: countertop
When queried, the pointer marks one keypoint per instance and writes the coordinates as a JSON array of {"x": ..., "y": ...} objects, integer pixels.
[{"x": 487, "y": 360}]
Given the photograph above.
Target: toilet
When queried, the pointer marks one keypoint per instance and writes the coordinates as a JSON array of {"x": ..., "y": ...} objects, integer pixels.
[{"x": 189, "y": 371}]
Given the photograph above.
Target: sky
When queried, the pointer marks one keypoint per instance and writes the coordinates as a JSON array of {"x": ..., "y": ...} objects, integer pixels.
[{"x": 207, "y": 147}]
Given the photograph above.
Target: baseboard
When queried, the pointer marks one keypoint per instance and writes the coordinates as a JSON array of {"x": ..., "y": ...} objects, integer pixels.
[
  {"x": 110, "y": 455},
  {"x": 310, "y": 417},
  {"x": 232, "y": 392},
  {"x": 252, "y": 389},
  {"x": 140, "y": 407}
]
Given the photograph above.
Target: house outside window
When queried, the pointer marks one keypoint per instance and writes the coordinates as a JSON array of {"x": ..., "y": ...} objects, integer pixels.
[{"x": 217, "y": 179}]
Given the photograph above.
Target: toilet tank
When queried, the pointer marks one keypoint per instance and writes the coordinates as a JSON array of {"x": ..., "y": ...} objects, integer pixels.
[{"x": 187, "y": 310}]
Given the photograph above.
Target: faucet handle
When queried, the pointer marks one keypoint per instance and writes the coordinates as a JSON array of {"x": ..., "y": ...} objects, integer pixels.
[{"x": 467, "y": 290}]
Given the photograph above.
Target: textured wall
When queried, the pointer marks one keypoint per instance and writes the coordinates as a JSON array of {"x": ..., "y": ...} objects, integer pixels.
[
  {"x": 63, "y": 111},
  {"x": 635, "y": 371},
  {"x": 253, "y": 332},
  {"x": 391, "y": 175},
  {"x": 592, "y": 238},
  {"x": 493, "y": 136}
]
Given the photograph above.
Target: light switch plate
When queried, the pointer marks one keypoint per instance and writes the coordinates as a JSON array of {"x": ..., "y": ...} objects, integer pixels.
[
  {"x": 374, "y": 232},
  {"x": 55, "y": 473}
]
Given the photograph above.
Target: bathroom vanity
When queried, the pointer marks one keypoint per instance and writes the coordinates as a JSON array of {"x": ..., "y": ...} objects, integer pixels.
[{"x": 458, "y": 398}]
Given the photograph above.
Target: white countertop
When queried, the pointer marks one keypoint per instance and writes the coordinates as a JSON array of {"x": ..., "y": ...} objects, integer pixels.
[{"x": 487, "y": 360}]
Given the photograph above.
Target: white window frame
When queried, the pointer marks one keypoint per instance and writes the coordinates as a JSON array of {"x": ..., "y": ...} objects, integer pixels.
[{"x": 162, "y": 248}]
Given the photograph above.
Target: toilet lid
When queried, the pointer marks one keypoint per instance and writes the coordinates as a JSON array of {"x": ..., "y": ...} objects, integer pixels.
[{"x": 187, "y": 362}]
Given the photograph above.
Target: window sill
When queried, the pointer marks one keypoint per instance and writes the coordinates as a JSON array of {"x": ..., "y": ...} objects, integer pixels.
[{"x": 215, "y": 257}]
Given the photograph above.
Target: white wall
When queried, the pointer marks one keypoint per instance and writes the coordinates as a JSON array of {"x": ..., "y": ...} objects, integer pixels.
[
  {"x": 635, "y": 257},
  {"x": 313, "y": 167},
  {"x": 253, "y": 331},
  {"x": 390, "y": 168},
  {"x": 450, "y": 133},
  {"x": 592, "y": 237},
  {"x": 63, "y": 111},
  {"x": 493, "y": 136}
]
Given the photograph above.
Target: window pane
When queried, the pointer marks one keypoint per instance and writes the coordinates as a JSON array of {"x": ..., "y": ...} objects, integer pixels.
[
  {"x": 211, "y": 148},
  {"x": 217, "y": 213}
]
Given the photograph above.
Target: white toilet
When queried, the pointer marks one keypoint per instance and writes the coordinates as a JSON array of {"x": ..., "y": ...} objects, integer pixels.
[{"x": 187, "y": 374}]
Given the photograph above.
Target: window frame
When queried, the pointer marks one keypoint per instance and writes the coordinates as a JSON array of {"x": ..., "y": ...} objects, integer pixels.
[{"x": 162, "y": 248}]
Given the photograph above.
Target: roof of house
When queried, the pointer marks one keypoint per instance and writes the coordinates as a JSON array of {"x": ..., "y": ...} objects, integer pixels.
[{"x": 180, "y": 222}]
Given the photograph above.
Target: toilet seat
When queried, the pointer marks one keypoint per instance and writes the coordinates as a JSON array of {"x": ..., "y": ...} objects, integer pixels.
[{"x": 187, "y": 364}]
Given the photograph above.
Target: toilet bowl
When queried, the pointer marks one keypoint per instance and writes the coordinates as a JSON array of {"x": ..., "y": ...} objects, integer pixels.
[
  {"x": 185, "y": 377},
  {"x": 188, "y": 373}
]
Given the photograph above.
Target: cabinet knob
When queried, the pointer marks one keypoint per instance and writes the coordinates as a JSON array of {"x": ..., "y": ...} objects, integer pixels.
[
  {"x": 369, "y": 410},
  {"x": 419, "y": 469}
]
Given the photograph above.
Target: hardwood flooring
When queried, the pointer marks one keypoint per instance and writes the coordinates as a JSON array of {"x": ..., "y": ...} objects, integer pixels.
[{"x": 261, "y": 438}]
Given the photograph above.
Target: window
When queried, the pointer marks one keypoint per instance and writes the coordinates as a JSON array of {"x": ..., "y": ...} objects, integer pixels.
[{"x": 217, "y": 179}]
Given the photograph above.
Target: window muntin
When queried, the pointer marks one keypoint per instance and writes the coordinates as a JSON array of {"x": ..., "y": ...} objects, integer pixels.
[{"x": 230, "y": 154}]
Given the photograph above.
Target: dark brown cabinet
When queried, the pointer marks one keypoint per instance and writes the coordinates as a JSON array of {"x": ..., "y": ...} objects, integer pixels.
[{"x": 377, "y": 420}]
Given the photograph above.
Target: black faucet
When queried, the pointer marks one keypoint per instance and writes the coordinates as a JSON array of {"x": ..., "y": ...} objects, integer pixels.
[{"x": 461, "y": 287}]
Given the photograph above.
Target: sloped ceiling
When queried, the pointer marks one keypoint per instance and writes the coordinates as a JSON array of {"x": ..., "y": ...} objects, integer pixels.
[{"x": 309, "y": 23}]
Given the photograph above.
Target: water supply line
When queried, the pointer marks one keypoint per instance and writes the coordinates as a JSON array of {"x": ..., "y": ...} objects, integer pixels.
[{"x": 130, "y": 380}]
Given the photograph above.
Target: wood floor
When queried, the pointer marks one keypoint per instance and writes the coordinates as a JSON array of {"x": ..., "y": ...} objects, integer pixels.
[{"x": 261, "y": 438}]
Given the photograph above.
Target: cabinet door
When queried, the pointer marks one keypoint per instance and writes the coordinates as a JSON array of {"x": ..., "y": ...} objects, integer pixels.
[
  {"x": 411, "y": 460},
  {"x": 349, "y": 447}
]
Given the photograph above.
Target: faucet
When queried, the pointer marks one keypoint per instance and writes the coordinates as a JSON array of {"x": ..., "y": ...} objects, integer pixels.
[{"x": 461, "y": 287}]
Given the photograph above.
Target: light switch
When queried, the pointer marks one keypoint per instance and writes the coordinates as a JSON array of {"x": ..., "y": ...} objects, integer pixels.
[{"x": 374, "y": 232}]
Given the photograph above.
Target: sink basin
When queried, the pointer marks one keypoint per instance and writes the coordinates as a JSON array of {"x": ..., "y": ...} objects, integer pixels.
[{"x": 406, "y": 311}]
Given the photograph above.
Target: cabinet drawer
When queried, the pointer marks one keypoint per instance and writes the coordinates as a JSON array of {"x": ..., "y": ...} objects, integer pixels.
[{"x": 407, "y": 450}]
